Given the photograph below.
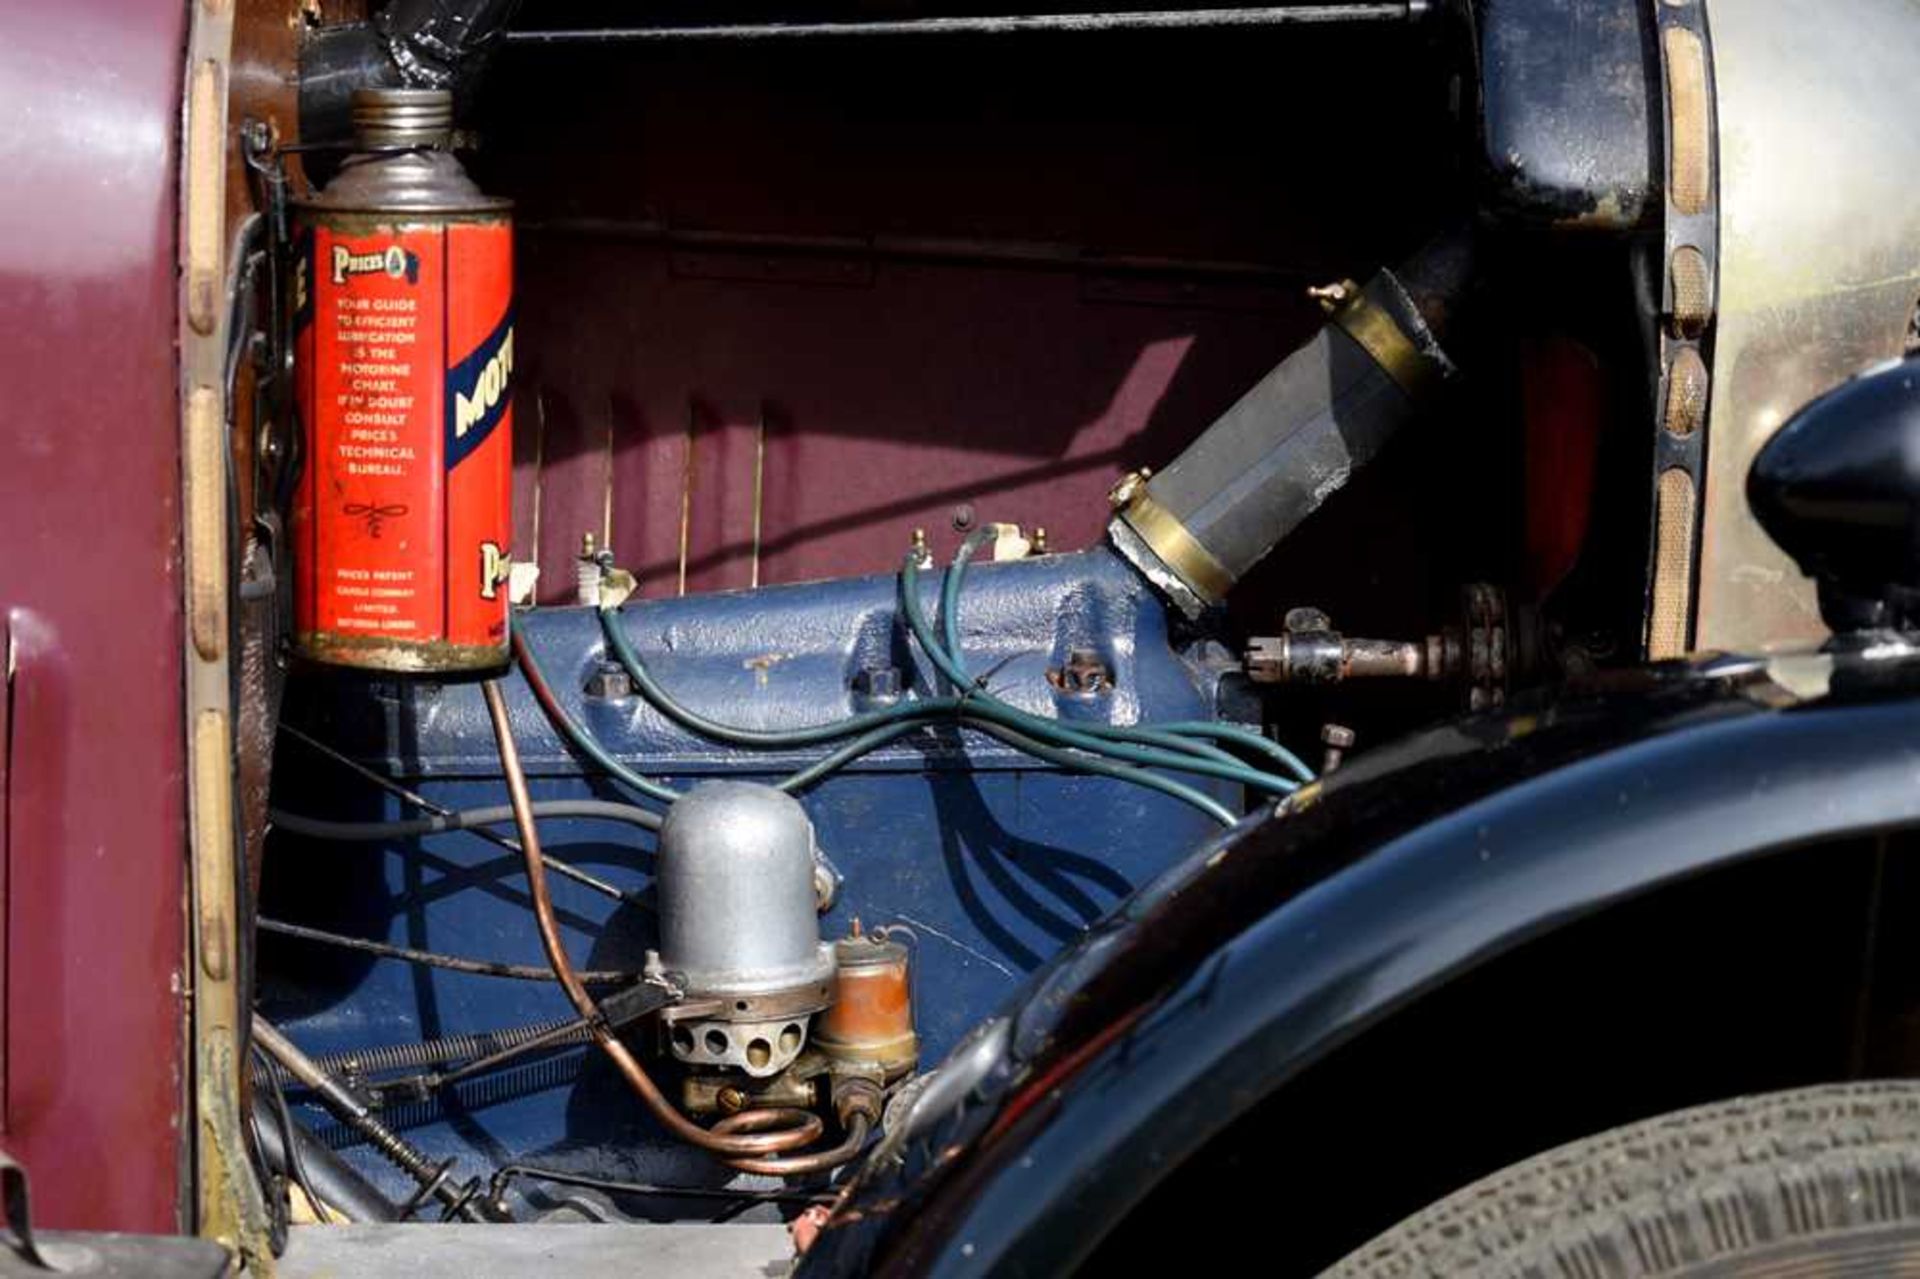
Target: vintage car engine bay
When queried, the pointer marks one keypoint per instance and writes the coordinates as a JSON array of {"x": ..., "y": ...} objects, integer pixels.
[{"x": 753, "y": 530}]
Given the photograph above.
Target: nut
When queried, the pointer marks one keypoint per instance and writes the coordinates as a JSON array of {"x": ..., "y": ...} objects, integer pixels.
[
  {"x": 1083, "y": 674},
  {"x": 609, "y": 682},
  {"x": 1121, "y": 495},
  {"x": 1305, "y": 621}
]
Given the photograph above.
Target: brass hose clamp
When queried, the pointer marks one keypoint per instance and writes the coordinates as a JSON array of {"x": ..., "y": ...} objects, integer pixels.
[
  {"x": 1378, "y": 334},
  {"x": 1169, "y": 539}
]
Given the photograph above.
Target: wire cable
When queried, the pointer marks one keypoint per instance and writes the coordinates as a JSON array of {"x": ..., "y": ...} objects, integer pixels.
[
  {"x": 565, "y": 869},
  {"x": 288, "y": 1145},
  {"x": 463, "y": 819},
  {"x": 1243, "y": 737},
  {"x": 1171, "y": 735},
  {"x": 434, "y": 959},
  {"x": 1053, "y": 730},
  {"x": 563, "y": 1177},
  {"x": 623, "y": 651},
  {"x": 907, "y": 717},
  {"x": 1146, "y": 734},
  {"x": 1101, "y": 767},
  {"x": 922, "y": 709},
  {"x": 575, "y": 732},
  {"x": 865, "y": 744}
]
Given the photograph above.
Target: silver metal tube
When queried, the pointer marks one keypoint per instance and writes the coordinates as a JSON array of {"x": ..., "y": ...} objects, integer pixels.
[{"x": 1008, "y": 24}]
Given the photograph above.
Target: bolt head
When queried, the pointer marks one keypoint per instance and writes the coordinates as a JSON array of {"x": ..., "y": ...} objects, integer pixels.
[
  {"x": 609, "y": 682},
  {"x": 1083, "y": 674},
  {"x": 1338, "y": 736},
  {"x": 877, "y": 684},
  {"x": 1332, "y": 297},
  {"x": 1121, "y": 495}
]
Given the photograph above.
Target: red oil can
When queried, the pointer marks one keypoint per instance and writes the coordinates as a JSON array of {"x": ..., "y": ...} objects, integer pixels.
[{"x": 404, "y": 350}]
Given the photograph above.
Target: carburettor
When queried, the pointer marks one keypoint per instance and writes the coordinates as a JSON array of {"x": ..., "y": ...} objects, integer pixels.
[{"x": 739, "y": 929}]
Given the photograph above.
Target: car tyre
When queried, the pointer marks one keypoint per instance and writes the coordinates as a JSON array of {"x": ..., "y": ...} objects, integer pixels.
[{"x": 1816, "y": 1181}]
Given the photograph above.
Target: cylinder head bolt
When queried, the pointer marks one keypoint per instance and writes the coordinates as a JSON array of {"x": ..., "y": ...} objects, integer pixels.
[{"x": 738, "y": 925}]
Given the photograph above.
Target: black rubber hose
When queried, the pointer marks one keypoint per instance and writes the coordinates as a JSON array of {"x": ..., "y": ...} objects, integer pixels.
[
  {"x": 400, "y": 792},
  {"x": 332, "y": 1180},
  {"x": 463, "y": 819}
]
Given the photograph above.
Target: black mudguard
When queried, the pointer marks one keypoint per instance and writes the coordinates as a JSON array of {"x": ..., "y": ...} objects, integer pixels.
[{"x": 1270, "y": 947}]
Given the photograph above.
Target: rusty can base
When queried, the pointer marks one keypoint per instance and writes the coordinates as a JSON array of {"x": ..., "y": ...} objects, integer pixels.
[{"x": 401, "y": 657}]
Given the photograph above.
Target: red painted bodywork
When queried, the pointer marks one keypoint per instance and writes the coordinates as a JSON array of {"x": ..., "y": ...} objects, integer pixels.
[
  {"x": 95, "y": 845},
  {"x": 720, "y": 293},
  {"x": 882, "y": 407}
]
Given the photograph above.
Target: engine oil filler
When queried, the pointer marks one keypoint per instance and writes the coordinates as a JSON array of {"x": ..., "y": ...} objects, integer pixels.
[{"x": 403, "y": 304}]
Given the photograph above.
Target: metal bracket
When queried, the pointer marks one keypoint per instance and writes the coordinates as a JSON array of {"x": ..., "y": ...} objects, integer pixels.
[
  {"x": 14, "y": 1200},
  {"x": 108, "y": 1256}
]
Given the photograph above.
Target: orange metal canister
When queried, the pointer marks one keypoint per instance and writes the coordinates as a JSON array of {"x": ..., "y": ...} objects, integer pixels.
[
  {"x": 404, "y": 353},
  {"x": 870, "y": 1022}
]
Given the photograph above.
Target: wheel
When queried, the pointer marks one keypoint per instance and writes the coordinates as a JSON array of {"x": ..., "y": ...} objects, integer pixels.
[{"x": 1817, "y": 1181}]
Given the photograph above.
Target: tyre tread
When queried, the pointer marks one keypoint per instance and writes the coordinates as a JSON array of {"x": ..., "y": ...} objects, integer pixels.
[{"x": 1674, "y": 1193}]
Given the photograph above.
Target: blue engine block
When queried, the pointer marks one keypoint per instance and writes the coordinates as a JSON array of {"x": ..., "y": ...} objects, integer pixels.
[{"x": 991, "y": 859}]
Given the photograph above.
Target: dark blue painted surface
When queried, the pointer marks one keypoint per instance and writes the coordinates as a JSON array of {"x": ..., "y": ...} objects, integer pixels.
[{"x": 993, "y": 862}]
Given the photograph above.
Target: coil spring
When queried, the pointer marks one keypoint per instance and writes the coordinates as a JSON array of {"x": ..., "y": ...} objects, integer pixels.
[{"x": 360, "y": 1063}]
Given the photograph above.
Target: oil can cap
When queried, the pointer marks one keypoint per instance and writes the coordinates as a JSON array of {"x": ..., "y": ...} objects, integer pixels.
[{"x": 384, "y": 119}]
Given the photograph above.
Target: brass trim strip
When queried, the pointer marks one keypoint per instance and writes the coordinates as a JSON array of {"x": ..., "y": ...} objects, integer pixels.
[
  {"x": 212, "y": 778},
  {"x": 1178, "y": 549},
  {"x": 1380, "y": 335},
  {"x": 206, "y": 525},
  {"x": 1686, "y": 404},
  {"x": 223, "y": 1200},
  {"x": 1673, "y": 567},
  {"x": 1692, "y": 292},
  {"x": 206, "y": 171},
  {"x": 1690, "y": 153}
]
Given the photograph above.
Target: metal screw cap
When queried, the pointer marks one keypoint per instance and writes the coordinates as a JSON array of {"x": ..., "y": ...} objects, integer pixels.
[{"x": 387, "y": 118}]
